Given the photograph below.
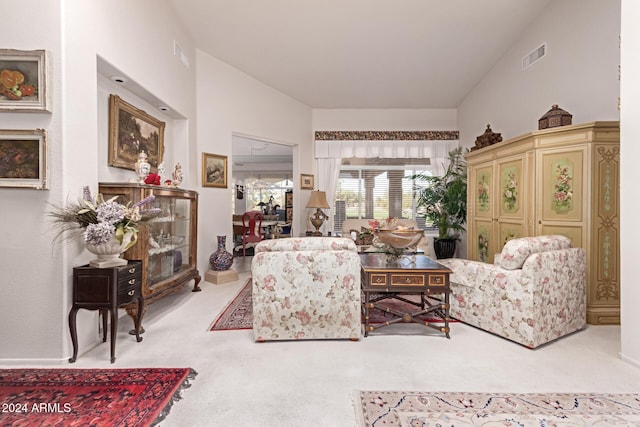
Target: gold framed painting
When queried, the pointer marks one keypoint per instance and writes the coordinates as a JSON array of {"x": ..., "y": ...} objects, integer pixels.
[
  {"x": 24, "y": 159},
  {"x": 132, "y": 130},
  {"x": 214, "y": 170},
  {"x": 306, "y": 182},
  {"x": 23, "y": 80}
]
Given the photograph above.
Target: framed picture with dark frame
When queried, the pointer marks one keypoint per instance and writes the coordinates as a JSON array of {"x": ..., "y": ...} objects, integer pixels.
[
  {"x": 132, "y": 130},
  {"x": 306, "y": 182},
  {"x": 214, "y": 170},
  {"x": 23, "y": 80},
  {"x": 23, "y": 159}
]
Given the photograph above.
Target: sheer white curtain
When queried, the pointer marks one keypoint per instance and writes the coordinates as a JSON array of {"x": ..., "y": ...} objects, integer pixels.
[
  {"x": 328, "y": 172},
  {"x": 329, "y": 155}
]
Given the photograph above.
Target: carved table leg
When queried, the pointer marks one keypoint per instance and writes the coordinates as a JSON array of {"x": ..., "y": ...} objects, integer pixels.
[
  {"x": 196, "y": 288},
  {"x": 138, "y": 321},
  {"x": 74, "y": 333},
  {"x": 137, "y": 313},
  {"x": 103, "y": 313},
  {"x": 114, "y": 331}
]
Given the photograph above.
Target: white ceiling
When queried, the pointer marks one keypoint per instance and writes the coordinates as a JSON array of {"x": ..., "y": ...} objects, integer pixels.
[{"x": 361, "y": 53}]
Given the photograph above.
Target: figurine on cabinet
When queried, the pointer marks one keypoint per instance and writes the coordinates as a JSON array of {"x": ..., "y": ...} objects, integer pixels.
[
  {"x": 177, "y": 175},
  {"x": 162, "y": 173},
  {"x": 142, "y": 166}
]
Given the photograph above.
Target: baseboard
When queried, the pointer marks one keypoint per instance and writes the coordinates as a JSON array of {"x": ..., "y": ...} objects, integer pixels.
[
  {"x": 630, "y": 360},
  {"x": 31, "y": 362}
]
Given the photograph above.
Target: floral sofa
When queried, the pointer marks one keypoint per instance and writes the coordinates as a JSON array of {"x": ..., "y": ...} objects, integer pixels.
[
  {"x": 306, "y": 288},
  {"x": 535, "y": 291}
]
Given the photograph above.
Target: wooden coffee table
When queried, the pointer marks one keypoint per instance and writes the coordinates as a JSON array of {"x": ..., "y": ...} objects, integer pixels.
[{"x": 387, "y": 277}]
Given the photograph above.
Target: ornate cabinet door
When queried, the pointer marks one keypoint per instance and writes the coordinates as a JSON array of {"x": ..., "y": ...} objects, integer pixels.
[
  {"x": 497, "y": 191},
  {"x": 480, "y": 201},
  {"x": 511, "y": 203},
  {"x": 561, "y": 192}
]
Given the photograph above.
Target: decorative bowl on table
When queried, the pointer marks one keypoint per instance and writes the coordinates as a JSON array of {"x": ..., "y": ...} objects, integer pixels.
[{"x": 399, "y": 239}]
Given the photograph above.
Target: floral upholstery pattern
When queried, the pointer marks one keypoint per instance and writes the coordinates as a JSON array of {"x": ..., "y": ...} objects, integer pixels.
[
  {"x": 543, "y": 300},
  {"x": 516, "y": 251},
  {"x": 306, "y": 288},
  {"x": 306, "y": 244}
]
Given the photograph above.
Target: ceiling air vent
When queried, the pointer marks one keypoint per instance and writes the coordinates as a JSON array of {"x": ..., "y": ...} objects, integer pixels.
[{"x": 534, "y": 56}]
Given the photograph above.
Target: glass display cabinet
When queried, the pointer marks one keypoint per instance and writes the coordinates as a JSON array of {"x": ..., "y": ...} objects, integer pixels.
[{"x": 167, "y": 244}]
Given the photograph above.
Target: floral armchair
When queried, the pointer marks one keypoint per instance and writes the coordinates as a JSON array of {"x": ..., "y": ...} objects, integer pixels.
[
  {"x": 535, "y": 291},
  {"x": 306, "y": 288}
]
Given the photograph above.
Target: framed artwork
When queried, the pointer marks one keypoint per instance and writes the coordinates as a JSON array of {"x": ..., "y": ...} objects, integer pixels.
[
  {"x": 23, "y": 159},
  {"x": 214, "y": 170},
  {"x": 23, "y": 80},
  {"x": 306, "y": 182},
  {"x": 132, "y": 130}
]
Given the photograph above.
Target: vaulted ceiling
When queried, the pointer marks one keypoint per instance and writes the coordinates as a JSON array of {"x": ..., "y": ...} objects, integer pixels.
[{"x": 361, "y": 53}]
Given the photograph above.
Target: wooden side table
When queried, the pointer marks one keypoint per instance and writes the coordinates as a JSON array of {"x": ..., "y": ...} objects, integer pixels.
[
  {"x": 387, "y": 276},
  {"x": 106, "y": 289}
]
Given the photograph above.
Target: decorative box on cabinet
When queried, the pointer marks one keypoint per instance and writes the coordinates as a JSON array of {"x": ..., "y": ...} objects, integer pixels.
[
  {"x": 562, "y": 180},
  {"x": 167, "y": 244}
]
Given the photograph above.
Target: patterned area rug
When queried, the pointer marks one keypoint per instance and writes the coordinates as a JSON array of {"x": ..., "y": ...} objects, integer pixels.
[
  {"x": 238, "y": 314},
  {"x": 89, "y": 397},
  {"x": 424, "y": 409}
]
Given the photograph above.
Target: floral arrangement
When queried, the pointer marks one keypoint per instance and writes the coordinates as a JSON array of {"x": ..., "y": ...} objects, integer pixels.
[
  {"x": 102, "y": 219},
  {"x": 510, "y": 191},
  {"x": 563, "y": 193},
  {"x": 153, "y": 179},
  {"x": 483, "y": 193},
  {"x": 483, "y": 247}
]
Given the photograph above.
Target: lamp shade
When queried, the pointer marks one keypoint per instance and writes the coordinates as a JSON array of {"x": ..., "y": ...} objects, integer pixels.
[{"x": 318, "y": 200}]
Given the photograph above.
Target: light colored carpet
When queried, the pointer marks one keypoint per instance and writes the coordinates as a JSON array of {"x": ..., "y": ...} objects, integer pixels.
[
  {"x": 238, "y": 314},
  {"x": 424, "y": 409}
]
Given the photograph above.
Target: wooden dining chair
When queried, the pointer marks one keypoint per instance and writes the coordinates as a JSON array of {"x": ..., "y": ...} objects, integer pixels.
[{"x": 251, "y": 229}]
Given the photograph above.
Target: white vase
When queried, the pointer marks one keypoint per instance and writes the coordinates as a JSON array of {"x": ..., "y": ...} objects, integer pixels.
[{"x": 108, "y": 254}]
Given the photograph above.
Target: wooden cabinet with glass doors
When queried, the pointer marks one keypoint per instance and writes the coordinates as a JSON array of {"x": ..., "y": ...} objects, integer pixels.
[
  {"x": 167, "y": 244},
  {"x": 562, "y": 180}
]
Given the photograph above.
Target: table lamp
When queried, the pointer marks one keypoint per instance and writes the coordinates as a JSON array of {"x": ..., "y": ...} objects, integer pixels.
[{"x": 318, "y": 200}]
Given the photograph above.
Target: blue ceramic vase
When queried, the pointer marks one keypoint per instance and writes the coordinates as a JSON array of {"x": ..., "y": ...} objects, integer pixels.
[{"x": 221, "y": 260}]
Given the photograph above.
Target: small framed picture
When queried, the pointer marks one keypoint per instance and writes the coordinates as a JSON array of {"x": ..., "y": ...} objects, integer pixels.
[
  {"x": 132, "y": 130},
  {"x": 23, "y": 159},
  {"x": 23, "y": 80},
  {"x": 306, "y": 182},
  {"x": 214, "y": 170}
]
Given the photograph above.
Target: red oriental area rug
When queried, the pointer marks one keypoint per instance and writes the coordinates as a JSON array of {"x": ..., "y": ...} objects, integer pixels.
[
  {"x": 239, "y": 313},
  {"x": 89, "y": 397}
]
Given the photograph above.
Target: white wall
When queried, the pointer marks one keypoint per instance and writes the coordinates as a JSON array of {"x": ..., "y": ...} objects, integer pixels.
[
  {"x": 137, "y": 38},
  {"x": 384, "y": 119},
  {"x": 31, "y": 288},
  {"x": 630, "y": 176},
  {"x": 229, "y": 101},
  {"x": 579, "y": 73}
]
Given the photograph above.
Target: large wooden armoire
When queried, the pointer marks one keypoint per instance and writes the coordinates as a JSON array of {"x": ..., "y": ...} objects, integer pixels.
[{"x": 563, "y": 180}]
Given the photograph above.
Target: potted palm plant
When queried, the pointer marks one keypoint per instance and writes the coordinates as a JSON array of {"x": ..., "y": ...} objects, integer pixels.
[{"x": 444, "y": 203}]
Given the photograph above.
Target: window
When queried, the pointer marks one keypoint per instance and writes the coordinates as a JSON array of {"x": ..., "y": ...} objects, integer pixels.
[
  {"x": 378, "y": 188},
  {"x": 258, "y": 190}
]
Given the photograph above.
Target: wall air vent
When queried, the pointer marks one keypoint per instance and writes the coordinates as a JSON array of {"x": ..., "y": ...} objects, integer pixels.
[{"x": 534, "y": 56}]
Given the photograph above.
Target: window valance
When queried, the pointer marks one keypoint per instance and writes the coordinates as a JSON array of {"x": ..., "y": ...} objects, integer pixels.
[{"x": 426, "y": 149}]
